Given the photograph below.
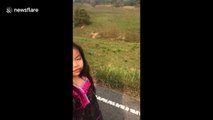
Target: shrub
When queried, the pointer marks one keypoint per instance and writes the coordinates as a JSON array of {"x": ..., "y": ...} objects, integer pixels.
[{"x": 81, "y": 17}]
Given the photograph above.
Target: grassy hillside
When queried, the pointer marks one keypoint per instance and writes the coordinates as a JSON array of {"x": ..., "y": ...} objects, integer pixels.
[
  {"x": 112, "y": 23},
  {"x": 114, "y": 54}
]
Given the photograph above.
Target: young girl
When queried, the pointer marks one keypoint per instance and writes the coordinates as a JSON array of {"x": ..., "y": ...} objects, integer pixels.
[{"x": 85, "y": 104}]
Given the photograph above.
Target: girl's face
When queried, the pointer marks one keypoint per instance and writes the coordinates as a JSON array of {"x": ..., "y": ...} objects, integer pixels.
[{"x": 77, "y": 63}]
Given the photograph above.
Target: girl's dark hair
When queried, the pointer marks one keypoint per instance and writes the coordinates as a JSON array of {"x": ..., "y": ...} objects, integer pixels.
[{"x": 86, "y": 70}]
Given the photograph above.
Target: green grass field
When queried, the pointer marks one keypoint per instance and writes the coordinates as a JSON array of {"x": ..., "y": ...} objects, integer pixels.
[{"x": 114, "y": 54}]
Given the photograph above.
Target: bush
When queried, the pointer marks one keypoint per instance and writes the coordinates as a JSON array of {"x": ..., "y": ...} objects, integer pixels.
[{"x": 81, "y": 17}]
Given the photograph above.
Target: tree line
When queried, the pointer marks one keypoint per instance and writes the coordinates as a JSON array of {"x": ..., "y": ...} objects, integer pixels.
[{"x": 116, "y": 3}]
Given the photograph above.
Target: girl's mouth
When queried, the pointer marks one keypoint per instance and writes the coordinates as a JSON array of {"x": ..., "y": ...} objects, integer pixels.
[{"x": 77, "y": 70}]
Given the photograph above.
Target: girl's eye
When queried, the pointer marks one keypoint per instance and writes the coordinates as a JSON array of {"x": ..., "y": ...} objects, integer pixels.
[{"x": 78, "y": 59}]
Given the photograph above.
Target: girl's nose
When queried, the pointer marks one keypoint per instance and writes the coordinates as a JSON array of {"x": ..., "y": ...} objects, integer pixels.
[{"x": 75, "y": 64}]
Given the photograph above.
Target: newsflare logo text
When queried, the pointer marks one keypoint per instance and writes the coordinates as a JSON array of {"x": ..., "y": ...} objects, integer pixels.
[{"x": 18, "y": 10}]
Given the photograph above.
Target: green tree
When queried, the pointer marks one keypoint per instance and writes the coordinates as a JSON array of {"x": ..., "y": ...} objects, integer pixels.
[{"x": 81, "y": 17}]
